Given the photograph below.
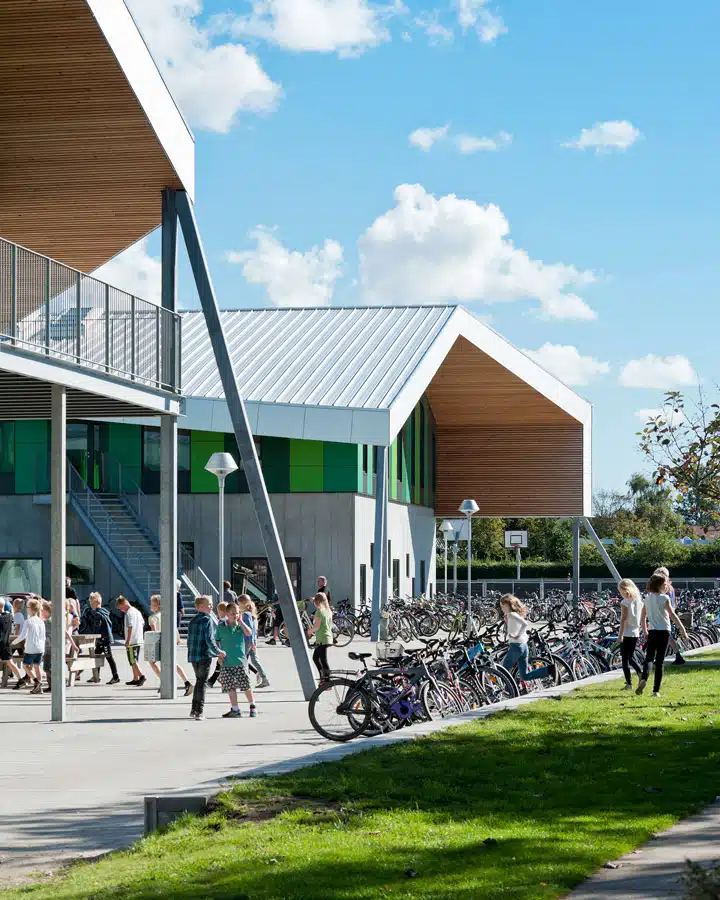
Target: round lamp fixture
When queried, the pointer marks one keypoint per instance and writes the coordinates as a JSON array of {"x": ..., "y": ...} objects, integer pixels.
[
  {"x": 468, "y": 507},
  {"x": 221, "y": 464},
  {"x": 447, "y": 528}
]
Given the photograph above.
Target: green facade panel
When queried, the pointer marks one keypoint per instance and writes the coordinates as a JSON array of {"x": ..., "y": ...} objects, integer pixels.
[
  {"x": 32, "y": 455},
  {"x": 340, "y": 479},
  {"x": 202, "y": 445},
  {"x": 306, "y": 453},
  {"x": 276, "y": 464},
  {"x": 306, "y": 479},
  {"x": 124, "y": 444}
]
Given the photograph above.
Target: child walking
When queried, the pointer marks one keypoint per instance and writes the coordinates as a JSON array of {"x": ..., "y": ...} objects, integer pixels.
[
  {"x": 221, "y": 618},
  {"x": 322, "y": 629},
  {"x": 230, "y": 636},
  {"x": 6, "y": 635},
  {"x": 249, "y": 617},
  {"x": 629, "y": 627},
  {"x": 33, "y": 633},
  {"x": 154, "y": 621},
  {"x": 655, "y": 619}
]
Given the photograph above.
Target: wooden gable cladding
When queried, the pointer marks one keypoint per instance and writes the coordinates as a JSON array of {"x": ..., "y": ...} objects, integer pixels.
[
  {"x": 81, "y": 170},
  {"x": 471, "y": 388},
  {"x": 529, "y": 470}
]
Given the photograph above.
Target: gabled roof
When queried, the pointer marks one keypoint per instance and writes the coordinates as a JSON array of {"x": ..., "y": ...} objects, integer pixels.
[{"x": 354, "y": 374}]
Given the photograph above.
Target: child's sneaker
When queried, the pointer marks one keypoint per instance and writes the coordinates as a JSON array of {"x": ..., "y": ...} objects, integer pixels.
[
  {"x": 253, "y": 712},
  {"x": 627, "y": 686},
  {"x": 641, "y": 686},
  {"x": 233, "y": 714}
]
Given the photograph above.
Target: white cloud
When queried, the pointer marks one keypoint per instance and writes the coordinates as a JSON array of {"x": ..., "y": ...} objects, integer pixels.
[
  {"x": 662, "y": 372},
  {"x": 466, "y": 143},
  {"x": 290, "y": 277},
  {"x": 606, "y": 136},
  {"x": 134, "y": 271},
  {"x": 668, "y": 413},
  {"x": 429, "y": 250},
  {"x": 434, "y": 30},
  {"x": 565, "y": 362},
  {"x": 477, "y": 15},
  {"x": 346, "y": 27},
  {"x": 212, "y": 82},
  {"x": 425, "y": 138}
]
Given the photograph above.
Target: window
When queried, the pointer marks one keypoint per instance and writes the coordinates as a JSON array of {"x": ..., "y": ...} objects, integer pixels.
[
  {"x": 412, "y": 588},
  {"x": 372, "y": 555},
  {"x": 80, "y": 563},
  {"x": 151, "y": 461},
  {"x": 407, "y": 565},
  {"x": 400, "y": 455},
  {"x": 396, "y": 577},
  {"x": 422, "y": 576},
  {"x": 363, "y": 583},
  {"x": 7, "y": 447},
  {"x": 151, "y": 449},
  {"x": 21, "y": 576},
  {"x": 365, "y": 459},
  {"x": 389, "y": 558},
  {"x": 252, "y": 575}
]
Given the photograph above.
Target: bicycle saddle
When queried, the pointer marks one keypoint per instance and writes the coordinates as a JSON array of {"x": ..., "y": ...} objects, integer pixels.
[{"x": 359, "y": 656}]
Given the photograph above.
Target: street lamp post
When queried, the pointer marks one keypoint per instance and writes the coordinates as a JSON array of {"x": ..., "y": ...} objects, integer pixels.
[
  {"x": 446, "y": 529},
  {"x": 468, "y": 508},
  {"x": 222, "y": 465}
]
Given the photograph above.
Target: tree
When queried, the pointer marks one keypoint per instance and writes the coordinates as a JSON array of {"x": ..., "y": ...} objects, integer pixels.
[
  {"x": 683, "y": 443},
  {"x": 608, "y": 506}
]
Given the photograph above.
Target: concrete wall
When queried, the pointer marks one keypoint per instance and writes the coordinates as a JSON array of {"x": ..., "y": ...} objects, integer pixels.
[
  {"x": 317, "y": 528},
  {"x": 25, "y": 533},
  {"x": 411, "y": 530}
]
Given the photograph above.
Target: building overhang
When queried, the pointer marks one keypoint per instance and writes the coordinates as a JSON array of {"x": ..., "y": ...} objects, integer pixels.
[
  {"x": 26, "y": 386},
  {"x": 90, "y": 132}
]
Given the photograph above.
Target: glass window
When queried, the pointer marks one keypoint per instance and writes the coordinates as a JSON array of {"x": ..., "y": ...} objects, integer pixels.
[
  {"x": 80, "y": 563},
  {"x": 372, "y": 555},
  {"x": 7, "y": 447},
  {"x": 363, "y": 583},
  {"x": 365, "y": 459},
  {"x": 400, "y": 456},
  {"x": 407, "y": 565},
  {"x": 183, "y": 451},
  {"x": 151, "y": 449},
  {"x": 20, "y": 576}
]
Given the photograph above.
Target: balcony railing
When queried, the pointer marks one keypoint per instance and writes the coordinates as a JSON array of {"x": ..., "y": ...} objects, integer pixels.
[{"x": 56, "y": 311}]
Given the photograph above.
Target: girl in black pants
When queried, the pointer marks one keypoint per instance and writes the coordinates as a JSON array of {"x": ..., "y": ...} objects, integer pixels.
[
  {"x": 655, "y": 619},
  {"x": 632, "y": 606},
  {"x": 322, "y": 627}
]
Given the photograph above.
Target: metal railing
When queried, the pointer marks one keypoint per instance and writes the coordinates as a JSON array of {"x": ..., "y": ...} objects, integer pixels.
[
  {"x": 96, "y": 517},
  {"x": 193, "y": 576},
  {"x": 51, "y": 309}
]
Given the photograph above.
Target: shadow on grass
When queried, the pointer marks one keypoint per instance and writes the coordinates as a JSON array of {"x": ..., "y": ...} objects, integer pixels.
[{"x": 561, "y": 786}]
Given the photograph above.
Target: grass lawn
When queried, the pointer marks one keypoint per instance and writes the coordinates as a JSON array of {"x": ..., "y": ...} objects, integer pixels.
[{"x": 559, "y": 787}]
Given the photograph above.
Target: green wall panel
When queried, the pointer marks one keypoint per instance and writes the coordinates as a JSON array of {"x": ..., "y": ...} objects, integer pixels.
[
  {"x": 276, "y": 464},
  {"x": 306, "y": 479},
  {"x": 345, "y": 455},
  {"x": 32, "y": 450},
  {"x": 125, "y": 449},
  {"x": 306, "y": 453},
  {"x": 202, "y": 445},
  {"x": 337, "y": 479}
]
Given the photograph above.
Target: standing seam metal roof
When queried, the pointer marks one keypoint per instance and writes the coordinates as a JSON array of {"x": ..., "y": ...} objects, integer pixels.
[{"x": 347, "y": 357}]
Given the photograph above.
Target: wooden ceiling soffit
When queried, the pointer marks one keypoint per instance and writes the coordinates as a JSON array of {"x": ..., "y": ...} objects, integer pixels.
[
  {"x": 471, "y": 388},
  {"x": 81, "y": 169}
]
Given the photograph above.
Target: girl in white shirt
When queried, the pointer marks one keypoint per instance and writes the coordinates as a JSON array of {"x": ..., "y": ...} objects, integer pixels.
[
  {"x": 655, "y": 620},
  {"x": 629, "y": 633},
  {"x": 514, "y": 611}
]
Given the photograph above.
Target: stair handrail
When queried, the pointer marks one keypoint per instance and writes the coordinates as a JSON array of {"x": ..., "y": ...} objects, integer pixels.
[
  {"x": 187, "y": 563},
  {"x": 81, "y": 492}
]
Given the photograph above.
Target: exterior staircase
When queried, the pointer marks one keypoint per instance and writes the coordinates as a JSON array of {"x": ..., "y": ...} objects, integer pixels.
[{"x": 131, "y": 547}]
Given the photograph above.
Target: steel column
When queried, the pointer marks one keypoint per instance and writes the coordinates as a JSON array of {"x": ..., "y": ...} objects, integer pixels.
[
  {"x": 601, "y": 550},
  {"x": 576, "y": 559},
  {"x": 168, "y": 554},
  {"x": 246, "y": 444},
  {"x": 380, "y": 578},
  {"x": 169, "y": 287},
  {"x": 58, "y": 526}
]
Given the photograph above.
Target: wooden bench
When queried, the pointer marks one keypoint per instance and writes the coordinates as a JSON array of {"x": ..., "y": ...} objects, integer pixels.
[{"x": 86, "y": 661}]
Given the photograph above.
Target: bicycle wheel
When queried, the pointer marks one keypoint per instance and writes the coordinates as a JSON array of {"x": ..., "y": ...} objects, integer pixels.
[
  {"x": 564, "y": 669},
  {"x": 471, "y": 694},
  {"x": 497, "y": 683},
  {"x": 340, "y": 710},
  {"x": 439, "y": 701},
  {"x": 343, "y": 632}
]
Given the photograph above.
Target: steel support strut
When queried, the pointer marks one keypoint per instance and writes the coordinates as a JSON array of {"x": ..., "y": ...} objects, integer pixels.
[
  {"x": 380, "y": 555},
  {"x": 245, "y": 442}
]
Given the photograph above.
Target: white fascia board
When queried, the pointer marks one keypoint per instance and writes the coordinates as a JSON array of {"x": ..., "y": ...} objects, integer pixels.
[
  {"x": 308, "y": 423},
  {"x": 131, "y": 52},
  {"x": 463, "y": 324},
  {"x": 587, "y": 466},
  {"x": 71, "y": 376}
]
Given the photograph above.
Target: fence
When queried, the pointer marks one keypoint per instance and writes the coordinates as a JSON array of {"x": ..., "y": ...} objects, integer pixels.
[
  {"x": 61, "y": 313},
  {"x": 525, "y": 588}
]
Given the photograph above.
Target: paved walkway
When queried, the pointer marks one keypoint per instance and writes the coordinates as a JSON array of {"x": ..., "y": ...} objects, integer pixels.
[
  {"x": 654, "y": 872},
  {"x": 76, "y": 789}
]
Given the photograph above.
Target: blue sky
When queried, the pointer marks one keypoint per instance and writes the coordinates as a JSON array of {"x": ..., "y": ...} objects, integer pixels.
[{"x": 303, "y": 113}]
